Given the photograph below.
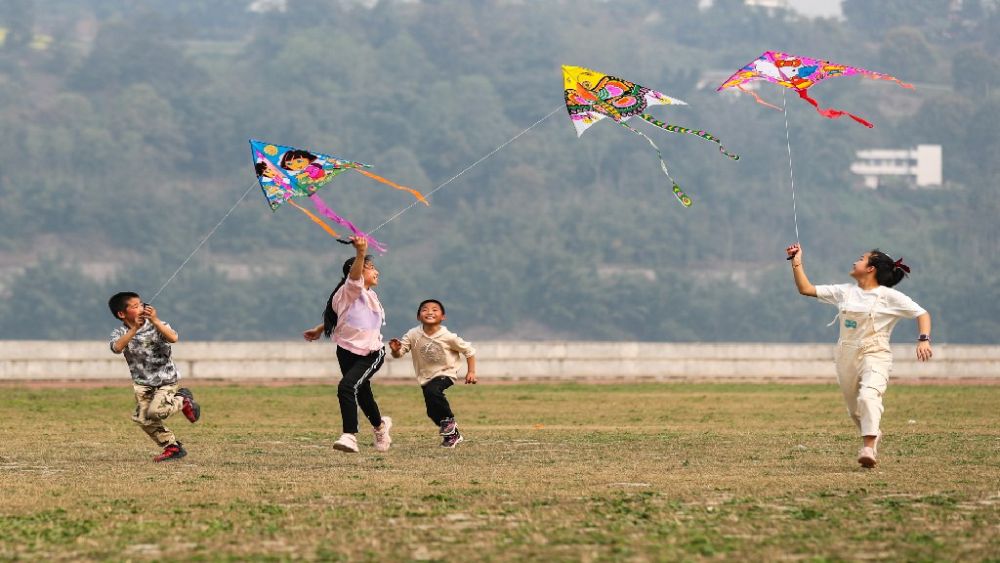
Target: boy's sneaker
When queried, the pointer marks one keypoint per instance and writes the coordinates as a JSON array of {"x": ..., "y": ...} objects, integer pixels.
[
  {"x": 172, "y": 452},
  {"x": 347, "y": 443},
  {"x": 382, "y": 438},
  {"x": 866, "y": 457},
  {"x": 448, "y": 427},
  {"x": 191, "y": 409},
  {"x": 452, "y": 440}
]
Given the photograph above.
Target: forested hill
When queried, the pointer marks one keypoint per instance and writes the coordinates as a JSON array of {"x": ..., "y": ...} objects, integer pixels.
[{"x": 125, "y": 128}]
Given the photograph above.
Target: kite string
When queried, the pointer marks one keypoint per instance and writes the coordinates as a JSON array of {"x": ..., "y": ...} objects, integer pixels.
[
  {"x": 470, "y": 167},
  {"x": 791, "y": 173},
  {"x": 202, "y": 243}
]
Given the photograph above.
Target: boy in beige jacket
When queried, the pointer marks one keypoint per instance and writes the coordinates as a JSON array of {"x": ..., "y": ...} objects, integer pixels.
[{"x": 436, "y": 352}]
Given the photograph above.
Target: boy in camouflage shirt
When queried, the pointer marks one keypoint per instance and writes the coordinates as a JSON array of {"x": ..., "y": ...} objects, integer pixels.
[{"x": 145, "y": 340}]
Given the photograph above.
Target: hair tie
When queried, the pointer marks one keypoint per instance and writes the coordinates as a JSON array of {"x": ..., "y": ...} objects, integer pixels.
[{"x": 899, "y": 264}]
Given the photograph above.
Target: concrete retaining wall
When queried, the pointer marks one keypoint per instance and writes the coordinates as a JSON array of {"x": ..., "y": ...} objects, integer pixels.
[{"x": 570, "y": 361}]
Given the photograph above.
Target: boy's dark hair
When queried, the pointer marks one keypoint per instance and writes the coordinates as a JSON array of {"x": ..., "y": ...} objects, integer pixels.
[
  {"x": 119, "y": 301},
  {"x": 296, "y": 153},
  {"x": 260, "y": 167},
  {"x": 426, "y": 301},
  {"x": 888, "y": 272},
  {"x": 329, "y": 315}
]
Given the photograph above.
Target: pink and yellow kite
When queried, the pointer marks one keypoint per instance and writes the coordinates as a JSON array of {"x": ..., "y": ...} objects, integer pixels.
[{"x": 591, "y": 96}]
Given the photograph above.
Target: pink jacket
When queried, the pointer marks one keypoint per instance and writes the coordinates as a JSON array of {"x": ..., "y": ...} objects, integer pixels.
[{"x": 359, "y": 318}]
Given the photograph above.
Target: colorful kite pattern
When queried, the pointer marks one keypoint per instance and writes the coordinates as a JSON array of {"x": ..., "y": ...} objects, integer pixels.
[
  {"x": 286, "y": 173},
  {"x": 591, "y": 96},
  {"x": 800, "y": 74}
]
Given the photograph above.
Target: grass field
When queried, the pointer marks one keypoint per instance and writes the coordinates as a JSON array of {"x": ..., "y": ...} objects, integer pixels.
[{"x": 549, "y": 472}]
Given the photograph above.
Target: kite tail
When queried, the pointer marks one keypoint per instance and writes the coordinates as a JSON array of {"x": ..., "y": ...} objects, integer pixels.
[
  {"x": 678, "y": 129},
  {"x": 315, "y": 219},
  {"x": 877, "y": 76},
  {"x": 757, "y": 98},
  {"x": 678, "y": 193},
  {"x": 420, "y": 197},
  {"x": 322, "y": 207},
  {"x": 833, "y": 113}
]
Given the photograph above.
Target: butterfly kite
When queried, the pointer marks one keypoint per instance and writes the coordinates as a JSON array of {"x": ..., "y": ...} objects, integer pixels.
[
  {"x": 591, "y": 96},
  {"x": 800, "y": 74},
  {"x": 286, "y": 173}
]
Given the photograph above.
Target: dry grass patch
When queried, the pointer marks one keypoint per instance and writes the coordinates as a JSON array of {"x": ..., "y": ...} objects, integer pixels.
[{"x": 548, "y": 472}]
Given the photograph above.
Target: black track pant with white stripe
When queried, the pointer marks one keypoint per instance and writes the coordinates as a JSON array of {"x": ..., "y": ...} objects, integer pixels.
[{"x": 355, "y": 389}]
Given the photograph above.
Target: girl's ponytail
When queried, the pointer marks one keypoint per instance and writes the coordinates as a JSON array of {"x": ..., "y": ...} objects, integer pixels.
[
  {"x": 888, "y": 272},
  {"x": 329, "y": 315}
]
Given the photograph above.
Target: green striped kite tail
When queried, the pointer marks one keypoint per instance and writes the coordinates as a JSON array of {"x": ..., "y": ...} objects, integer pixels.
[
  {"x": 677, "y": 191},
  {"x": 678, "y": 129}
]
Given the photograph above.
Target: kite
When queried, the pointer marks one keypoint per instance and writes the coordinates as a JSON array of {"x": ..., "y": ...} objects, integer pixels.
[
  {"x": 592, "y": 96},
  {"x": 800, "y": 74},
  {"x": 286, "y": 173}
]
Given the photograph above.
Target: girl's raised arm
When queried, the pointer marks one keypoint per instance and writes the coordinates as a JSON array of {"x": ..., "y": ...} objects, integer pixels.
[
  {"x": 798, "y": 271},
  {"x": 361, "y": 247}
]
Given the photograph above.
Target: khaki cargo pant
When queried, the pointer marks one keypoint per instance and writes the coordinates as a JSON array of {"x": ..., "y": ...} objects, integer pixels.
[{"x": 152, "y": 406}]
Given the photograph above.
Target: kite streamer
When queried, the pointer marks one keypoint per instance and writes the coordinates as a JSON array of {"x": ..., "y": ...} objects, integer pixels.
[
  {"x": 323, "y": 208},
  {"x": 678, "y": 129},
  {"x": 315, "y": 219}
]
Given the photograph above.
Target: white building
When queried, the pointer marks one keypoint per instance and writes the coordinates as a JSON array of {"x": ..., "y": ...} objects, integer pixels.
[
  {"x": 769, "y": 4},
  {"x": 265, "y": 6},
  {"x": 920, "y": 166}
]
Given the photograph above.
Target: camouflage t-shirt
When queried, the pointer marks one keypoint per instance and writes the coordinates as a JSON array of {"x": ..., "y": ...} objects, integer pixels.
[{"x": 148, "y": 356}]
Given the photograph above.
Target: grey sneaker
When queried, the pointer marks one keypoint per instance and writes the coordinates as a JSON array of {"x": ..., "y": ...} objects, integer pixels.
[
  {"x": 448, "y": 427},
  {"x": 452, "y": 440},
  {"x": 382, "y": 438}
]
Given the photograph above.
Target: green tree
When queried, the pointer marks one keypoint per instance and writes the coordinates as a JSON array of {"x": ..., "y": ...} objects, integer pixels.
[
  {"x": 976, "y": 73},
  {"x": 905, "y": 51},
  {"x": 875, "y": 18},
  {"x": 51, "y": 300}
]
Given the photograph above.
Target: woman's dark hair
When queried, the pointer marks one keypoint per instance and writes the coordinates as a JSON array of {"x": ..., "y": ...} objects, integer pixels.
[
  {"x": 888, "y": 272},
  {"x": 329, "y": 315},
  {"x": 293, "y": 154}
]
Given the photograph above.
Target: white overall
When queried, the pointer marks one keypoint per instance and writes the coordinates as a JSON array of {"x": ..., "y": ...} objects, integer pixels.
[{"x": 864, "y": 361}]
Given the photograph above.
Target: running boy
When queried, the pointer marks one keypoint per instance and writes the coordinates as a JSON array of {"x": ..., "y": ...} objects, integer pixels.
[
  {"x": 869, "y": 309},
  {"x": 145, "y": 340},
  {"x": 435, "y": 361}
]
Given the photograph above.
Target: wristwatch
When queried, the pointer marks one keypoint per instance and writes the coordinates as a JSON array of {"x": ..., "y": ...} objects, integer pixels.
[{"x": 924, "y": 338}]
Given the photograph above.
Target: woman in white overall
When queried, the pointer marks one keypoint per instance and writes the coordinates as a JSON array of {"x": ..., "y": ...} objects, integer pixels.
[{"x": 868, "y": 310}]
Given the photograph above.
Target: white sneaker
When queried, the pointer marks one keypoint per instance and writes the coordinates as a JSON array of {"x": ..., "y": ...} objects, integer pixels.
[
  {"x": 866, "y": 457},
  {"x": 347, "y": 443},
  {"x": 382, "y": 438}
]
